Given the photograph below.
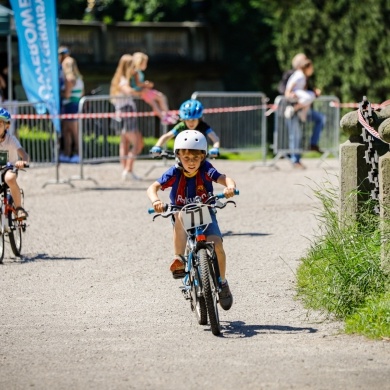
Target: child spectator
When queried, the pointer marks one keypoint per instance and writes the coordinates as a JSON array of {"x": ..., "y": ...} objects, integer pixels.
[
  {"x": 296, "y": 88},
  {"x": 190, "y": 113},
  {"x": 11, "y": 151},
  {"x": 156, "y": 99},
  {"x": 130, "y": 134},
  {"x": 191, "y": 177}
]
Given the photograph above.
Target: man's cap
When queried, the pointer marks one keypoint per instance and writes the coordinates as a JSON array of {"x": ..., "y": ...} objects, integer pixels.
[{"x": 63, "y": 50}]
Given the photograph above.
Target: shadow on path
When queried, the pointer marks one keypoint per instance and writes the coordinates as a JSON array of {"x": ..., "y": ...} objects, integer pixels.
[
  {"x": 229, "y": 233},
  {"x": 45, "y": 257},
  {"x": 240, "y": 329}
]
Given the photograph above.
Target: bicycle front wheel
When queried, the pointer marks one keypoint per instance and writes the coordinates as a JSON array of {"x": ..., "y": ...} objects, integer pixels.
[
  {"x": 210, "y": 292},
  {"x": 15, "y": 234},
  {"x": 198, "y": 304}
]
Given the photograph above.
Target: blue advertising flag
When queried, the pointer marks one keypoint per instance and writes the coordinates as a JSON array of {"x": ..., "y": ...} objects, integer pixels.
[{"x": 36, "y": 27}]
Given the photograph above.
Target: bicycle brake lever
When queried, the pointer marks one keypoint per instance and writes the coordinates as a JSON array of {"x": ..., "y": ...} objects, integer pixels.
[
  {"x": 219, "y": 204},
  {"x": 155, "y": 216},
  {"x": 231, "y": 201}
]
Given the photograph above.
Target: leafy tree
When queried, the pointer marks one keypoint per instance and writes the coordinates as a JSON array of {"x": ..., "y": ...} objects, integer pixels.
[{"x": 347, "y": 40}]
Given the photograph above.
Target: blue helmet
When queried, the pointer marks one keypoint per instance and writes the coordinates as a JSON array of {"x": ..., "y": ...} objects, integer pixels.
[
  {"x": 5, "y": 115},
  {"x": 191, "y": 109}
]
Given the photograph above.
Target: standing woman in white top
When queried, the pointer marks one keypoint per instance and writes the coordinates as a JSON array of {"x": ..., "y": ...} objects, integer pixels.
[{"x": 131, "y": 143}]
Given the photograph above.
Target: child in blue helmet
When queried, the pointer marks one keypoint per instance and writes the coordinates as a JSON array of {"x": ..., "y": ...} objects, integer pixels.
[
  {"x": 190, "y": 113},
  {"x": 12, "y": 152},
  {"x": 193, "y": 176}
]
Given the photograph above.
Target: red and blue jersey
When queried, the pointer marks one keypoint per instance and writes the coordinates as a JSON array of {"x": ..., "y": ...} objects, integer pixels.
[{"x": 185, "y": 189}]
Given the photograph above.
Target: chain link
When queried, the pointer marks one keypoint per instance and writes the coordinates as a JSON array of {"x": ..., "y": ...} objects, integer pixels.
[{"x": 370, "y": 154}]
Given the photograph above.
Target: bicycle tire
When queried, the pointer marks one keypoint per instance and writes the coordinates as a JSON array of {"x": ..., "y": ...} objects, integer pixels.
[
  {"x": 1, "y": 245},
  {"x": 15, "y": 234},
  {"x": 198, "y": 303},
  {"x": 210, "y": 292}
]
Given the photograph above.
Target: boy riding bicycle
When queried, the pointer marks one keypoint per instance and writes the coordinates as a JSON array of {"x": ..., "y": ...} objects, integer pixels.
[
  {"x": 12, "y": 152},
  {"x": 192, "y": 176},
  {"x": 190, "y": 113}
]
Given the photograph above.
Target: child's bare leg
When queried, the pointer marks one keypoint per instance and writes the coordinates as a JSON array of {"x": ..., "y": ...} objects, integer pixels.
[
  {"x": 129, "y": 162},
  {"x": 179, "y": 236},
  {"x": 221, "y": 256},
  {"x": 137, "y": 143},
  {"x": 302, "y": 112},
  {"x": 162, "y": 101},
  {"x": 123, "y": 148},
  {"x": 10, "y": 179},
  {"x": 156, "y": 108}
]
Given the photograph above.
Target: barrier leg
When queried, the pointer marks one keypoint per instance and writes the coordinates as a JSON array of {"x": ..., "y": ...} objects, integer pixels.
[{"x": 57, "y": 180}]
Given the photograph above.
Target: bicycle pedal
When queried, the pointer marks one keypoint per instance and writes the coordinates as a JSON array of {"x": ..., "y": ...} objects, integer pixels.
[{"x": 186, "y": 292}]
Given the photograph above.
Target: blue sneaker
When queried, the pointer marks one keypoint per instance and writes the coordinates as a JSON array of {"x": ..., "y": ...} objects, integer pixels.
[
  {"x": 75, "y": 159},
  {"x": 64, "y": 159}
]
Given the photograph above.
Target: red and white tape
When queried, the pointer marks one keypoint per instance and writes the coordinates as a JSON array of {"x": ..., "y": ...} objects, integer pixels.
[
  {"x": 100, "y": 115},
  {"x": 369, "y": 128}
]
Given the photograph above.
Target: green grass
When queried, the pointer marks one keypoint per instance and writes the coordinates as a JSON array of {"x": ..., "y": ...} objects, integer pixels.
[
  {"x": 373, "y": 319},
  {"x": 341, "y": 274}
]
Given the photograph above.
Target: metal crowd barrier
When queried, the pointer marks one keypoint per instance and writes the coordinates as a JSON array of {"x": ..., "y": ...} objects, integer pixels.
[
  {"x": 238, "y": 118},
  {"x": 34, "y": 130},
  {"x": 292, "y": 136},
  {"x": 100, "y": 127}
]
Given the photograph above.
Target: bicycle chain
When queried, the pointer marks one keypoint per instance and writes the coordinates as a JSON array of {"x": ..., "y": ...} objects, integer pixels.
[{"x": 370, "y": 154}]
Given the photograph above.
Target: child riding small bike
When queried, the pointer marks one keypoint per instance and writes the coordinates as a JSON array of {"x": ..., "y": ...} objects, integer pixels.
[
  {"x": 12, "y": 152},
  {"x": 193, "y": 176},
  {"x": 190, "y": 113}
]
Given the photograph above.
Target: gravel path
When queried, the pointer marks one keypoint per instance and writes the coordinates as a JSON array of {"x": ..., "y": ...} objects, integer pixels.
[{"x": 92, "y": 305}]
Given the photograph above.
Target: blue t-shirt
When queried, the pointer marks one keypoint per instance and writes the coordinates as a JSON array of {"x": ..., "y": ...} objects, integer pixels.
[
  {"x": 141, "y": 78},
  {"x": 174, "y": 178}
]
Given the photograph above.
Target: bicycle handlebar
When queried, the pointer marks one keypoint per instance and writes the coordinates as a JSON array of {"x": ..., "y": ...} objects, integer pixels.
[
  {"x": 175, "y": 207},
  {"x": 11, "y": 166}
]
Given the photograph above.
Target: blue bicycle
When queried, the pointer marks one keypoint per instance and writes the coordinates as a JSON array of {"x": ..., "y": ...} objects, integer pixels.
[{"x": 202, "y": 281}]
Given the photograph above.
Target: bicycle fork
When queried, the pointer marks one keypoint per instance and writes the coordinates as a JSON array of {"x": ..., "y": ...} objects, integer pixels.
[{"x": 5, "y": 209}]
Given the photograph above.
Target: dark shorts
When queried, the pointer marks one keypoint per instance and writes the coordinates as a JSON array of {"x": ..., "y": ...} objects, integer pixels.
[
  {"x": 70, "y": 108},
  {"x": 129, "y": 123}
]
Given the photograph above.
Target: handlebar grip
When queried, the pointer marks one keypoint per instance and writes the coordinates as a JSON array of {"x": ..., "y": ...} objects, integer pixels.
[
  {"x": 220, "y": 196},
  {"x": 151, "y": 209}
]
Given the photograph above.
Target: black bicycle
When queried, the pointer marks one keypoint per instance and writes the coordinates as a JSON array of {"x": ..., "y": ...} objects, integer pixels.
[
  {"x": 10, "y": 224},
  {"x": 202, "y": 282}
]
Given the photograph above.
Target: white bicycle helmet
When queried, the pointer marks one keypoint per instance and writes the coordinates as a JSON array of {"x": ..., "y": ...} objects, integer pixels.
[{"x": 190, "y": 139}]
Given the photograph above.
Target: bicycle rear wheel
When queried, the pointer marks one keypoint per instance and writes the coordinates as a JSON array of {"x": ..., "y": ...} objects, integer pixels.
[
  {"x": 1, "y": 247},
  {"x": 210, "y": 292},
  {"x": 15, "y": 234}
]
